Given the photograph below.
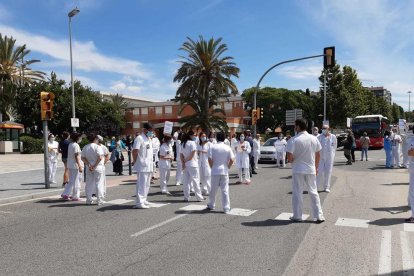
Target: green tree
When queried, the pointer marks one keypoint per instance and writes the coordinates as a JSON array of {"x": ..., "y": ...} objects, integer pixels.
[
  {"x": 14, "y": 73},
  {"x": 204, "y": 77}
]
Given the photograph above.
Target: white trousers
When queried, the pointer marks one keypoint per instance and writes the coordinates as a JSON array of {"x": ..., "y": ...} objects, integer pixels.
[
  {"x": 179, "y": 172},
  {"x": 281, "y": 156},
  {"x": 405, "y": 156},
  {"x": 244, "y": 175},
  {"x": 94, "y": 184},
  {"x": 221, "y": 181},
  {"x": 298, "y": 181},
  {"x": 142, "y": 187},
  {"x": 73, "y": 186},
  {"x": 164, "y": 178},
  {"x": 324, "y": 173},
  {"x": 205, "y": 179},
  {"x": 396, "y": 156},
  {"x": 411, "y": 193},
  {"x": 52, "y": 171},
  {"x": 191, "y": 179}
]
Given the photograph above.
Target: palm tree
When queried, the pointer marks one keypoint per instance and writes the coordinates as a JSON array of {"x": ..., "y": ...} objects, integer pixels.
[
  {"x": 14, "y": 73},
  {"x": 204, "y": 78},
  {"x": 119, "y": 102}
]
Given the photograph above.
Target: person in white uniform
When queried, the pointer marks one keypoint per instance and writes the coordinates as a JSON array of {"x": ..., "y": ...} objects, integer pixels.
[
  {"x": 205, "y": 171},
  {"x": 256, "y": 150},
  {"x": 189, "y": 163},
  {"x": 304, "y": 154},
  {"x": 280, "y": 147},
  {"x": 75, "y": 166},
  {"x": 93, "y": 158},
  {"x": 227, "y": 141},
  {"x": 179, "y": 169},
  {"x": 106, "y": 159},
  {"x": 404, "y": 149},
  {"x": 233, "y": 143},
  {"x": 166, "y": 157},
  {"x": 328, "y": 142},
  {"x": 156, "y": 149},
  {"x": 396, "y": 144},
  {"x": 52, "y": 156},
  {"x": 243, "y": 150},
  {"x": 142, "y": 156},
  {"x": 410, "y": 153},
  {"x": 221, "y": 158},
  {"x": 315, "y": 131}
]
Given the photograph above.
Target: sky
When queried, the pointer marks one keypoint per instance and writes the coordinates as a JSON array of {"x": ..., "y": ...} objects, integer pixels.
[{"x": 132, "y": 46}]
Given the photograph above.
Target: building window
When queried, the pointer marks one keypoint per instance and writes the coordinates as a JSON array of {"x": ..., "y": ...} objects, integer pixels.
[
  {"x": 168, "y": 109},
  {"x": 136, "y": 125},
  {"x": 228, "y": 106},
  {"x": 158, "y": 110},
  {"x": 144, "y": 110},
  {"x": 135, "y": 111}
]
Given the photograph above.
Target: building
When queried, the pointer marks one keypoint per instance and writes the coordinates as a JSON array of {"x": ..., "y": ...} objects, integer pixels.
[
  {"x": 157, "y": 113},
  {"x": 381, "y": 92},
  {"x": 131, "y": 100}
]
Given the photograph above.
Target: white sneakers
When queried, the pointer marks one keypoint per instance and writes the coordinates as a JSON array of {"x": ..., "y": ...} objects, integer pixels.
[{"x": 327, "y": 190}]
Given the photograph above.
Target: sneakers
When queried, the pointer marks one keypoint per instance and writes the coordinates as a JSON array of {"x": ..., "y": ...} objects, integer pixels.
[
  {"x": 89, "y": 202},
  {"x": 177, "y": 184},
  {"x": 64, "y": 197},
  {"x": 226, "y": 211},
  {"x": 201, "y": 200},
  {"x": 327, "y": 191},
  {"x": 292, "y": 218},
  {"x": 209, "y": 208},
  {"x": 140, "y": 207}
]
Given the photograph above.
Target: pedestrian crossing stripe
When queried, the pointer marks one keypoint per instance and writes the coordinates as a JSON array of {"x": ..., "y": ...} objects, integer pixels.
[
  {"x": 286, "y": 216},
  {"x": 157, "y": 205},
  {"x": 119, "y": 201},
  {"x": 193, "y": 207},
  {"x": 241, "y": 212},
  {"x": 347, "y": 222},
  {"x": 409, "y": 227}
]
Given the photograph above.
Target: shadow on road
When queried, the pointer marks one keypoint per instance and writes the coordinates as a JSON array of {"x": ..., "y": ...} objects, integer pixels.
[
  {"x": 197, "y": 212},
  {"x": 114, "y": 208},
  {"x": 392, "y": 210},
  {"x": 387, "y": 221},
  {"x": 268, "y": 222}
]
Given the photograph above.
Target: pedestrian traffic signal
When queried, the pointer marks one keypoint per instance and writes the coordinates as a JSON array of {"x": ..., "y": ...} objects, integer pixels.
[
  {"x": 329, "y": 57},
  {"x": 46, "y": 104},
  {"x": 254, "y": 116}
]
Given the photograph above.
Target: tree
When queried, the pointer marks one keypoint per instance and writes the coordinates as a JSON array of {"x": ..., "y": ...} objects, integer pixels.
[
  {"x": 14, "y": 73},
  {"x": 204, "y": 77}
]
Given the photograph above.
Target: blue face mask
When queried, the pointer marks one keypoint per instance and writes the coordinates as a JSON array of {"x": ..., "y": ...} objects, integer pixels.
[
  {"x": 241, "y": 138},
  {"x": 324, "y": 131},
  {"x": 194, "y": 139},
  {"x": 150, "y": 133},
  {"x": 203, "y": 139}
]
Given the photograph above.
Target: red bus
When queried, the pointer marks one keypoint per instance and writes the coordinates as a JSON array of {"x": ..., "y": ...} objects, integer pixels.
[{"x": 374, "y": 126}]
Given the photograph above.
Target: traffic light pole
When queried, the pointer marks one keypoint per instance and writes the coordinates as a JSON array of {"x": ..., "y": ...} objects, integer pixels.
[
  {"x": 268, "y": 70},
  {"x": 46, "y": 160}
]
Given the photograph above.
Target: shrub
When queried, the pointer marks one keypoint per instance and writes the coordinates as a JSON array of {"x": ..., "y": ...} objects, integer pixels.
[{"x": 32, "y": 145}]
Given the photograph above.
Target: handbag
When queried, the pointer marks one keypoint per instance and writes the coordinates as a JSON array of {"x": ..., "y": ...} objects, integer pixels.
[{"x": 122, "y": 157}]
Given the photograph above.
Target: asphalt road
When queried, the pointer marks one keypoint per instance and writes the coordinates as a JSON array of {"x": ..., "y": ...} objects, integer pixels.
[{"x": 51, "y": 237}]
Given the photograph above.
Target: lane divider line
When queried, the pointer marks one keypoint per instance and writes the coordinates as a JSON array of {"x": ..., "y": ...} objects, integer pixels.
[{"x": 137, "y": 234}]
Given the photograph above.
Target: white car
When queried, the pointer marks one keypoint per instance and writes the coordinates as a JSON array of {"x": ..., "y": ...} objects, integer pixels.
[{"x": 268, "y": 151}]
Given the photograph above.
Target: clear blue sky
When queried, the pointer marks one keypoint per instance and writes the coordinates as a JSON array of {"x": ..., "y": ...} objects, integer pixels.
[{"x": 131, "y": 46}]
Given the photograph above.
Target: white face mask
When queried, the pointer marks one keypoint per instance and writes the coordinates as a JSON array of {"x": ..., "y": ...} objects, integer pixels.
[
  {"x": 79, "y": 140},
  {"x": 241, "y": 138},
  {"x": 51, "y": 139}
]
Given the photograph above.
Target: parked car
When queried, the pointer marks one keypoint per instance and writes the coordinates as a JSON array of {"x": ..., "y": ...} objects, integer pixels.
[{"x": 268, "y": 151}]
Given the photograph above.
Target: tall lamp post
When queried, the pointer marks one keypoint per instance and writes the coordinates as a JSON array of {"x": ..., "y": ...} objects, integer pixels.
[
  {"x": 71, "y": 14},
  {"x": 409, "y": 102}
]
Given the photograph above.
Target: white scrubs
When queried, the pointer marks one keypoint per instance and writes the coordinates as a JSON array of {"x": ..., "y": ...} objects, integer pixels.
[
  {"x": 144, "y": 167},
  {"x": 396, "y": 141},
  {"x": 256, "y": 152},
  {"x": 303, "y": 148},
  {"x": 205, "y": 170},
  {"x": 410, "y": 145},
  {"x": 52, "y": 155},
  {"x": 220, "y": 154},
  {"x": 75, "y": 177},
  {"x": 191, "y": 176},
  {"x": 179, "y": 171},
  {"x": 165, "y": 166},
  {"x": 329, "y": 145},
  {"x": 243, "y": 161},
  {"x": 94, "y": 179},
  {"x": 404, "y": 149},
  {"x": 280, "y": 147},
  {"x": 155, "y": 148}
]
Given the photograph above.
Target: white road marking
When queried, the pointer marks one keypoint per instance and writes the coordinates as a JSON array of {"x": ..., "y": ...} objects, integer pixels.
[
  {"x": 409, "y": 227},
  {"x": 407, "y": 254},
  {"x": 157, "y": 225},
  {"x": 5, "y": 212},
  {"x": 241, "y": 212},
  {"x": 157, "y": 205},
  {"x": 119, "y": 201},
  {"x": 361, "y": 223},
  {"x": 193, "y": 207},
  {"x": 384, "y": 267},
  {"x": 286, "y": 216}
]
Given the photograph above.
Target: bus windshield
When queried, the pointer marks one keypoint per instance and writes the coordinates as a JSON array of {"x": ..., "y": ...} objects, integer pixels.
[{"x": 372, "y": 129}]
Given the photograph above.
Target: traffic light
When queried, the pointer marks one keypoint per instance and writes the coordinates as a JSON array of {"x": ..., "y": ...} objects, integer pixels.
[
  {"x": 46, "y": 104},
  {"x": 254, "y": 116},
  {"x": 329, "y": 57},
  {"x": 259, "y": 113}
]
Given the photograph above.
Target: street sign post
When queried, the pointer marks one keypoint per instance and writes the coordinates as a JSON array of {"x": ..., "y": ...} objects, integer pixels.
[{"x": 292, "y": 116}]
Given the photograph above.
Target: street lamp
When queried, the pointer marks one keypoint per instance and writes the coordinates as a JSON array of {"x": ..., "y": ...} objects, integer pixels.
[
  {"x": 409, "y": 101},
  {"x": 71, "y": 14}
]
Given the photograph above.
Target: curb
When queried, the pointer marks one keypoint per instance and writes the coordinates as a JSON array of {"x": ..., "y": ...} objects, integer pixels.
[{"x": 21, "y": 198}]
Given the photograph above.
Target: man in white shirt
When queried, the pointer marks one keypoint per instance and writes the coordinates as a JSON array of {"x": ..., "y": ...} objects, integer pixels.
[
  {"x": 304, "y": 154},
  {"x": 396, "y": 152},
  {"x": 52, "y": 154},
  {"x": 256, "y": 150},
  {"x": 329, "y": 144},
  {"x": 142, "y": 156},
  {"x": 221, "y": 158},
  {"x": 280, "y": 147}
]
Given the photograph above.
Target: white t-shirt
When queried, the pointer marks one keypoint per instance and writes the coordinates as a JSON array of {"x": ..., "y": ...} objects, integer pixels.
[
  {"x": 144, "y": 162},
  {"x": 227, "y": 142},
  {"x": 155, "y": 144},
  {"x": 256, "y": 145},
  {"x": 303, "y": 147},
  {"x": 396, "y": 140},
  {"x": 203, "y": 154},
  {"x": 190, "y": 146},
  {"x": 91, "y": 152},
  {"x": 73, "y": 148},
  {"x": 52, "y": 152},
  {"x": 329, "y": 145},
  {"x": 220, "y": 154},
  {"x": 165, "y": 151}
]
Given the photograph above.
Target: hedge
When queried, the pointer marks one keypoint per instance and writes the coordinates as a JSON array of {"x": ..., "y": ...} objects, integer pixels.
[{"x": 32, "y": 145}]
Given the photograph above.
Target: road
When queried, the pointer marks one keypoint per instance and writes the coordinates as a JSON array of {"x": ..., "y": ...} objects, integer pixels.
[{"x": 364, "y": 233}]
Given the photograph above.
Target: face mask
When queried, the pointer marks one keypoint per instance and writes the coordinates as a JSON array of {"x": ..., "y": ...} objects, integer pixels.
[
  {"x": 241, "y": 138},
  {"x": 194, "y": 139},
  {"x": 150, "y": 134},
  {"x": 79, "y": 140},
  {"x": 203, "y": 139},
  {"x": 211, "y": 139},
  {"x": 324, "y": 131},
  {"x": 52, "y": 139}
]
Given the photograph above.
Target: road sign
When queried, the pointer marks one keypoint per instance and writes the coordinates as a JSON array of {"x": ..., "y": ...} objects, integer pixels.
[
  {"x": 168, "y": 127},
  {"x": 293, "y": 115},
  {"x": 348, "y": 122},
  {"x": 74, "y": 122}
]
